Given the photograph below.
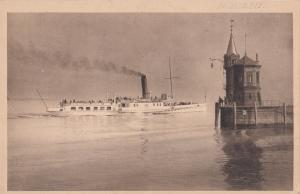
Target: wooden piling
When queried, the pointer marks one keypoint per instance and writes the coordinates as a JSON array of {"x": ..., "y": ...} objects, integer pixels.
[
  {"x": 217, "y": 111},
  {"x": 234, "y": 115},
  {"x": 284, "y": 114}
]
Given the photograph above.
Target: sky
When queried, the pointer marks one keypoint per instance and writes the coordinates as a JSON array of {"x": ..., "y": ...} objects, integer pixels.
[{"x": 92, "y": 55}]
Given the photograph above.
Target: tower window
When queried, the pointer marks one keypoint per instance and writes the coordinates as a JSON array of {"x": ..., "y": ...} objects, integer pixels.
[
  {"x": 257, "y": 77},
  {"x": 249, "y": 78}
]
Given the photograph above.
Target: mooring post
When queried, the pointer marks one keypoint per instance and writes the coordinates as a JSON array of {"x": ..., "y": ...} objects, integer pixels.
[
  {"x": 217, "y": 110},
  {"x": 234, "y": 115},
  {"x": 255, "y": 114},
  {"x": 284, "y": 114}
]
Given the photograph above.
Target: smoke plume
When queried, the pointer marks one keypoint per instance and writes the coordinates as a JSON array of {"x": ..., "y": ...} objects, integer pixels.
[{"x": 18, "y": 54}]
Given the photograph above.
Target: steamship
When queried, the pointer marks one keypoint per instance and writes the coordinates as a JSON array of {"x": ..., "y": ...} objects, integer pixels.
[
  {"x": 145, "y": 104},
  {"x": 164, "y": 104}
]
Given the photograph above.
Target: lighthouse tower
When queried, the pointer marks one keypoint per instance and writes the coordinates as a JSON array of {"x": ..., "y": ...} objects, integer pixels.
[{"x": 242, "y": 76}]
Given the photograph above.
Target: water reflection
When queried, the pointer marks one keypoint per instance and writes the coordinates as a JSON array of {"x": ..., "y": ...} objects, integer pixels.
[
  {"x": 243, "y": 166},
  {"x": 144, "y": 142}
]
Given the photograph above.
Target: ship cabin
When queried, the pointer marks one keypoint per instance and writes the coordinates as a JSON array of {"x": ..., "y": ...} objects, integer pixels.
[{"x": 80, "y": 107}]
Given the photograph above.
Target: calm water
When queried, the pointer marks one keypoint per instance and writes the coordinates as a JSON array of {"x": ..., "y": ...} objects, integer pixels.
[{"x": 142, "y": 152}]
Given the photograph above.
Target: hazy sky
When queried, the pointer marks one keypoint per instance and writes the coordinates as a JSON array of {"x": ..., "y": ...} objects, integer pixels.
[{"x": 76, "y": 55}]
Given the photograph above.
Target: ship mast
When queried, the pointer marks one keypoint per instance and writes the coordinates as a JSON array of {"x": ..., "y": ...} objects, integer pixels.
[
  {"x": 171, "y": 85},
  {"x": 171, "y": 77}
]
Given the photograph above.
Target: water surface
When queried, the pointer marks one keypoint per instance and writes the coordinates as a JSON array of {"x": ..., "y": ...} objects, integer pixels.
[{"x": 142, "y": 152}]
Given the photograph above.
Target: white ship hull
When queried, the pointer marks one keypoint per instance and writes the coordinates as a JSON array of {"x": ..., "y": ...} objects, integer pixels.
[
  {"x": 67, "y": 113},
  {"x": 160, "y": 107},
  {"x": 145, "y": 110},
  {"x": 107, "y": 109},
  {"x": 189, "y": 108},
  {"x": 185, "y": 109}
]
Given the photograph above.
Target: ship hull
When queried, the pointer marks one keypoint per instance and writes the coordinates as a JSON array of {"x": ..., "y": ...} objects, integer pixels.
[
  {"x": 65, "y": 114},
  {"x": 136, "y": 110},
  {"x": 168, "y": 109},
  {"x": 109, "y": 109},
  {"x": 190, "y": 108},
  {"x": 185, "y": 109}
]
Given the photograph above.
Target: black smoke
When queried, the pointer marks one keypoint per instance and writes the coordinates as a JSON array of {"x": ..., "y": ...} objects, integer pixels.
[{"x": 18, "y": 54}]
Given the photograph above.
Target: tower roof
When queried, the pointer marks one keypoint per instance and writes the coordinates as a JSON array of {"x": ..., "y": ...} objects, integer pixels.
[
  {"x": 231, "y": 49},
  {"x": 246, "y": 61}
]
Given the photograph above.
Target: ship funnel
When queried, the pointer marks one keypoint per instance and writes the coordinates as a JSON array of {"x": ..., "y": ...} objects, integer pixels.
[{"x": 145, "y": 93}]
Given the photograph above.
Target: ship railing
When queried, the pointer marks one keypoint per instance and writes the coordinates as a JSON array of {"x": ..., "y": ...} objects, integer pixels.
[{"x": 80, "y": 103}]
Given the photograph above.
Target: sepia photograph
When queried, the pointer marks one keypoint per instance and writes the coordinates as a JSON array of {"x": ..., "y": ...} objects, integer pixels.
[{"x": 150, "y": 101}]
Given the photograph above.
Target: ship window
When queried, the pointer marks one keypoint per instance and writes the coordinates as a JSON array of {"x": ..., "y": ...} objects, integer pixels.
[
  {"x": 61, "y": 109},
  {"x": 95, "y": 108},
  {"x": 80, "y": 108},
  {"x": 87, "y": 108},
  {"x": 108, "y": 108},
  {"x": 73, "y": 108},
  {"x": 101, "y": 108}
]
